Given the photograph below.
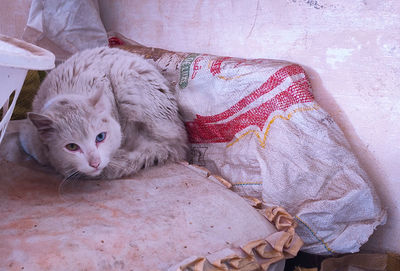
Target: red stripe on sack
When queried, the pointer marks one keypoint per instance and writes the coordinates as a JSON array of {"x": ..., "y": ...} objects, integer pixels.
[
  {"x": 273, "y": 81},
  {"x": 203, "y": 132},
  {"x": 216, "y": 65}
]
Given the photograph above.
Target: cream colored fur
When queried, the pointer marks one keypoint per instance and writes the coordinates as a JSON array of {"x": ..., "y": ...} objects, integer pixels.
[{"x": 111, "y": 91}]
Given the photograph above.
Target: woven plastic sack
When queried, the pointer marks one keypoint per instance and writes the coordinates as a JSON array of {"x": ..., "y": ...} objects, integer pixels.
[
  {"x": 255, "y": 122},
  {"x": 174, "y": 217}
]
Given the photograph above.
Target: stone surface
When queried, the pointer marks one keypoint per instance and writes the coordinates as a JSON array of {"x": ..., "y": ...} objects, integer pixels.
[{"x": 151, "y": 221}]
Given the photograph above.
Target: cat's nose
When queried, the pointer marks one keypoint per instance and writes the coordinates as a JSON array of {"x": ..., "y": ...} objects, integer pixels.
[{"x": 94, "y": 163}]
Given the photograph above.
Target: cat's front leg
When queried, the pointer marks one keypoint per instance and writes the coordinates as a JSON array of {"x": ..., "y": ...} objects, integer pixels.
[
  {"x": 120, "y": 165},
  {"x": 125, "y": 163},
  {"x": 31, "y": 143}
]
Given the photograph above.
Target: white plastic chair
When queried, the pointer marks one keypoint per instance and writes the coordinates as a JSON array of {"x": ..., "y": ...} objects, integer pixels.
[{"x": 16, "y": 58}]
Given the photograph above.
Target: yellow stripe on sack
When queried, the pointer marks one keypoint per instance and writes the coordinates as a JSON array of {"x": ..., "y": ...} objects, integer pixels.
[
  {"x": 315, "y": 235},
  {"x": 231, "y": 78},
  {"x": 264, "y": 138},
  {"x": 247, "y": 183}
]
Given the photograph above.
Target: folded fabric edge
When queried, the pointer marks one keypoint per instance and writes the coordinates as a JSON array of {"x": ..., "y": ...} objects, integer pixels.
[
  {"x": 255, "y": 255},
  {"x": 330, "y": 247}
]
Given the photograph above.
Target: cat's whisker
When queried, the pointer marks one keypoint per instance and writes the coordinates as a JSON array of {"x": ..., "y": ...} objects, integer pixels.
[{"x": 71, "y": 178}]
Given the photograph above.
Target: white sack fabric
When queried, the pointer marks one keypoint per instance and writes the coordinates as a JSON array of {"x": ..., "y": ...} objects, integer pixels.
[{"x": 255, "y": 122}]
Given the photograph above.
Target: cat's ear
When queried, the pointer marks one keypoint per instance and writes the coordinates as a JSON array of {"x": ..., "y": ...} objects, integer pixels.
[
  {"x": 98, "y": 101},
  {"x": 96, "y": 97},
  {"x": 43, "y": 124}
]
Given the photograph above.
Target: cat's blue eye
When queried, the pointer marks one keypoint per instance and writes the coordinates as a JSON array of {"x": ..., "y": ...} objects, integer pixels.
[
  {"x": 100, "y": 137},
  {"x": 72, "y": 147}
]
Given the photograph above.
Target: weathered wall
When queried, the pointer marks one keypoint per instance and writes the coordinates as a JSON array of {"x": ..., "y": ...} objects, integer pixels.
[
  {"x": 351, "y": 50},
  {"x": 13, "y": 17}
]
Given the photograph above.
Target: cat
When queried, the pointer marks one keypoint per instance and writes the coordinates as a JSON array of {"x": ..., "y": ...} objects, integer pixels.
[{"x": 104, "y": 113}]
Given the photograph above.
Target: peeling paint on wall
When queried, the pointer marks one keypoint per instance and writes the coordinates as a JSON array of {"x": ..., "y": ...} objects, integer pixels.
[
  {"x": 337, "y": 55},
  {"x": 311, "y": 3}
]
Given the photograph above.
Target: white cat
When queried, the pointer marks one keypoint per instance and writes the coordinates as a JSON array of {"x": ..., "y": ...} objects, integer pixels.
[{"x": 104, "y": 113}]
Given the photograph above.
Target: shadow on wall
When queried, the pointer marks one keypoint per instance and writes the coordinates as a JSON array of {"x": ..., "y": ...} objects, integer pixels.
[
  {"x": 365, "y": 157},
  {"x": 328, "y": 103}
]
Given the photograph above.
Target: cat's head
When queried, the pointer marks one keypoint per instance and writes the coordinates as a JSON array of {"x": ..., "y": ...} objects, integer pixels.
[{"x": 80, "y": 134}]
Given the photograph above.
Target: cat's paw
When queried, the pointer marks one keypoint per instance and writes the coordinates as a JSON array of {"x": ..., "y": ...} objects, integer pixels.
[
  {"x": 127, "y": 163},
  {"x": 147, "y": 158},
  {"x": 120, "y": 165},
  {"x": 154, "y": 158},
  {"x": 124, "y": 163}
]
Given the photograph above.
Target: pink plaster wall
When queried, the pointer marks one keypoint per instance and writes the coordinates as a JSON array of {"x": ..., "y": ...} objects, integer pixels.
[
  {"x": 351, "y": 50},
  {"x": 13, "y": 17}
]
